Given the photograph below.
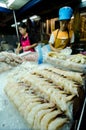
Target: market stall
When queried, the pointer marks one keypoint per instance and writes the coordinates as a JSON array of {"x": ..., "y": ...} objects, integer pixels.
[{"x": 41, "y": 90}]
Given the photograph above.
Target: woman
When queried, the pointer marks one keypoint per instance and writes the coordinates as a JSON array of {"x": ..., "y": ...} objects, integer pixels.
[
  {"x": 25, "y": 43},
  {"x": 63, "y": 37}
]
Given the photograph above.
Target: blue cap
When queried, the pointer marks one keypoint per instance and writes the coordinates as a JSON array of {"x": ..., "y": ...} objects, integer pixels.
[{"x": 65, "y": 13}]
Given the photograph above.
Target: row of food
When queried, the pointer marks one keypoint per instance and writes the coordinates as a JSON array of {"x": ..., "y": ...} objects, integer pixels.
[
  {"x": 75, "y": 62},
  {"x": 45, "y": 96}
]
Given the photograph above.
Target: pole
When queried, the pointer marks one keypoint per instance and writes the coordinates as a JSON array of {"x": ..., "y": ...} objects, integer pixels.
[
  {"x": 16, "y": 25},
  {"x": 82, "y": 114}
]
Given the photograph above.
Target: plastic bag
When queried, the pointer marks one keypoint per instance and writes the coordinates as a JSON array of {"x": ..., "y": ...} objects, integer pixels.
[{"x": 42, "y": 52}]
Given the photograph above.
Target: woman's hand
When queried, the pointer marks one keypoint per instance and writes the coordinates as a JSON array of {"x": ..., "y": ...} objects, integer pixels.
[{"x": 17, "y": 51}]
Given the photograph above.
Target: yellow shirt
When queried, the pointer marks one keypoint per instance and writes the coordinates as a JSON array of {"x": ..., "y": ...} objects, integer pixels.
[{"x": 61, "y": 38}]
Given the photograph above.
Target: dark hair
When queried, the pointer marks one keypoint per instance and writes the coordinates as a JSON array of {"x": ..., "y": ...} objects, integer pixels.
[
  {"x": 29, "y": 23},
  {"x": 23, "y": 25}
]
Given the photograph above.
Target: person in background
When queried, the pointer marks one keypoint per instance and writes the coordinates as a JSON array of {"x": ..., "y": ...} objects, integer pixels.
[
  {"x": 62, "y": 37},
  {"x": 25, "y": 43}
]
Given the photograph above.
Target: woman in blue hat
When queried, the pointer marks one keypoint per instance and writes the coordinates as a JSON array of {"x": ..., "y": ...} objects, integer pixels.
[{"x": 62, "y": 37}]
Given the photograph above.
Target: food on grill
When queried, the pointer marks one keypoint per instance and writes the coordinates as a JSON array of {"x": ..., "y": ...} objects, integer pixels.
[
  {"x": 75, "y": 62},
  {"x": 57, "y": 123},
  {"x": 8, "y": 61},
  {"x": 79, "y": 58},
  {"x": 47, "y": 98},
  {"x": 57, "y": 55}
]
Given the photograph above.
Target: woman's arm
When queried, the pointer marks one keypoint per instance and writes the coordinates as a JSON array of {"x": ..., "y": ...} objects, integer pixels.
[
  {"x": 29, "y": 47},
  {"x": 72, "y": 39},
  {"x": 51, "y": 42},
  {"x": 55, "y": 49},
  {"x": 52, "y": 48},
  {"x": 34, "y": 45}
]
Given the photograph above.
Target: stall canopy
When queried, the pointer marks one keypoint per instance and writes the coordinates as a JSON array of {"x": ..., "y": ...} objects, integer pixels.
[
  {"x": 7, "y": 9},
  {"x": 13, "y": 4},
  {"x": 25, "y": 8}
]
